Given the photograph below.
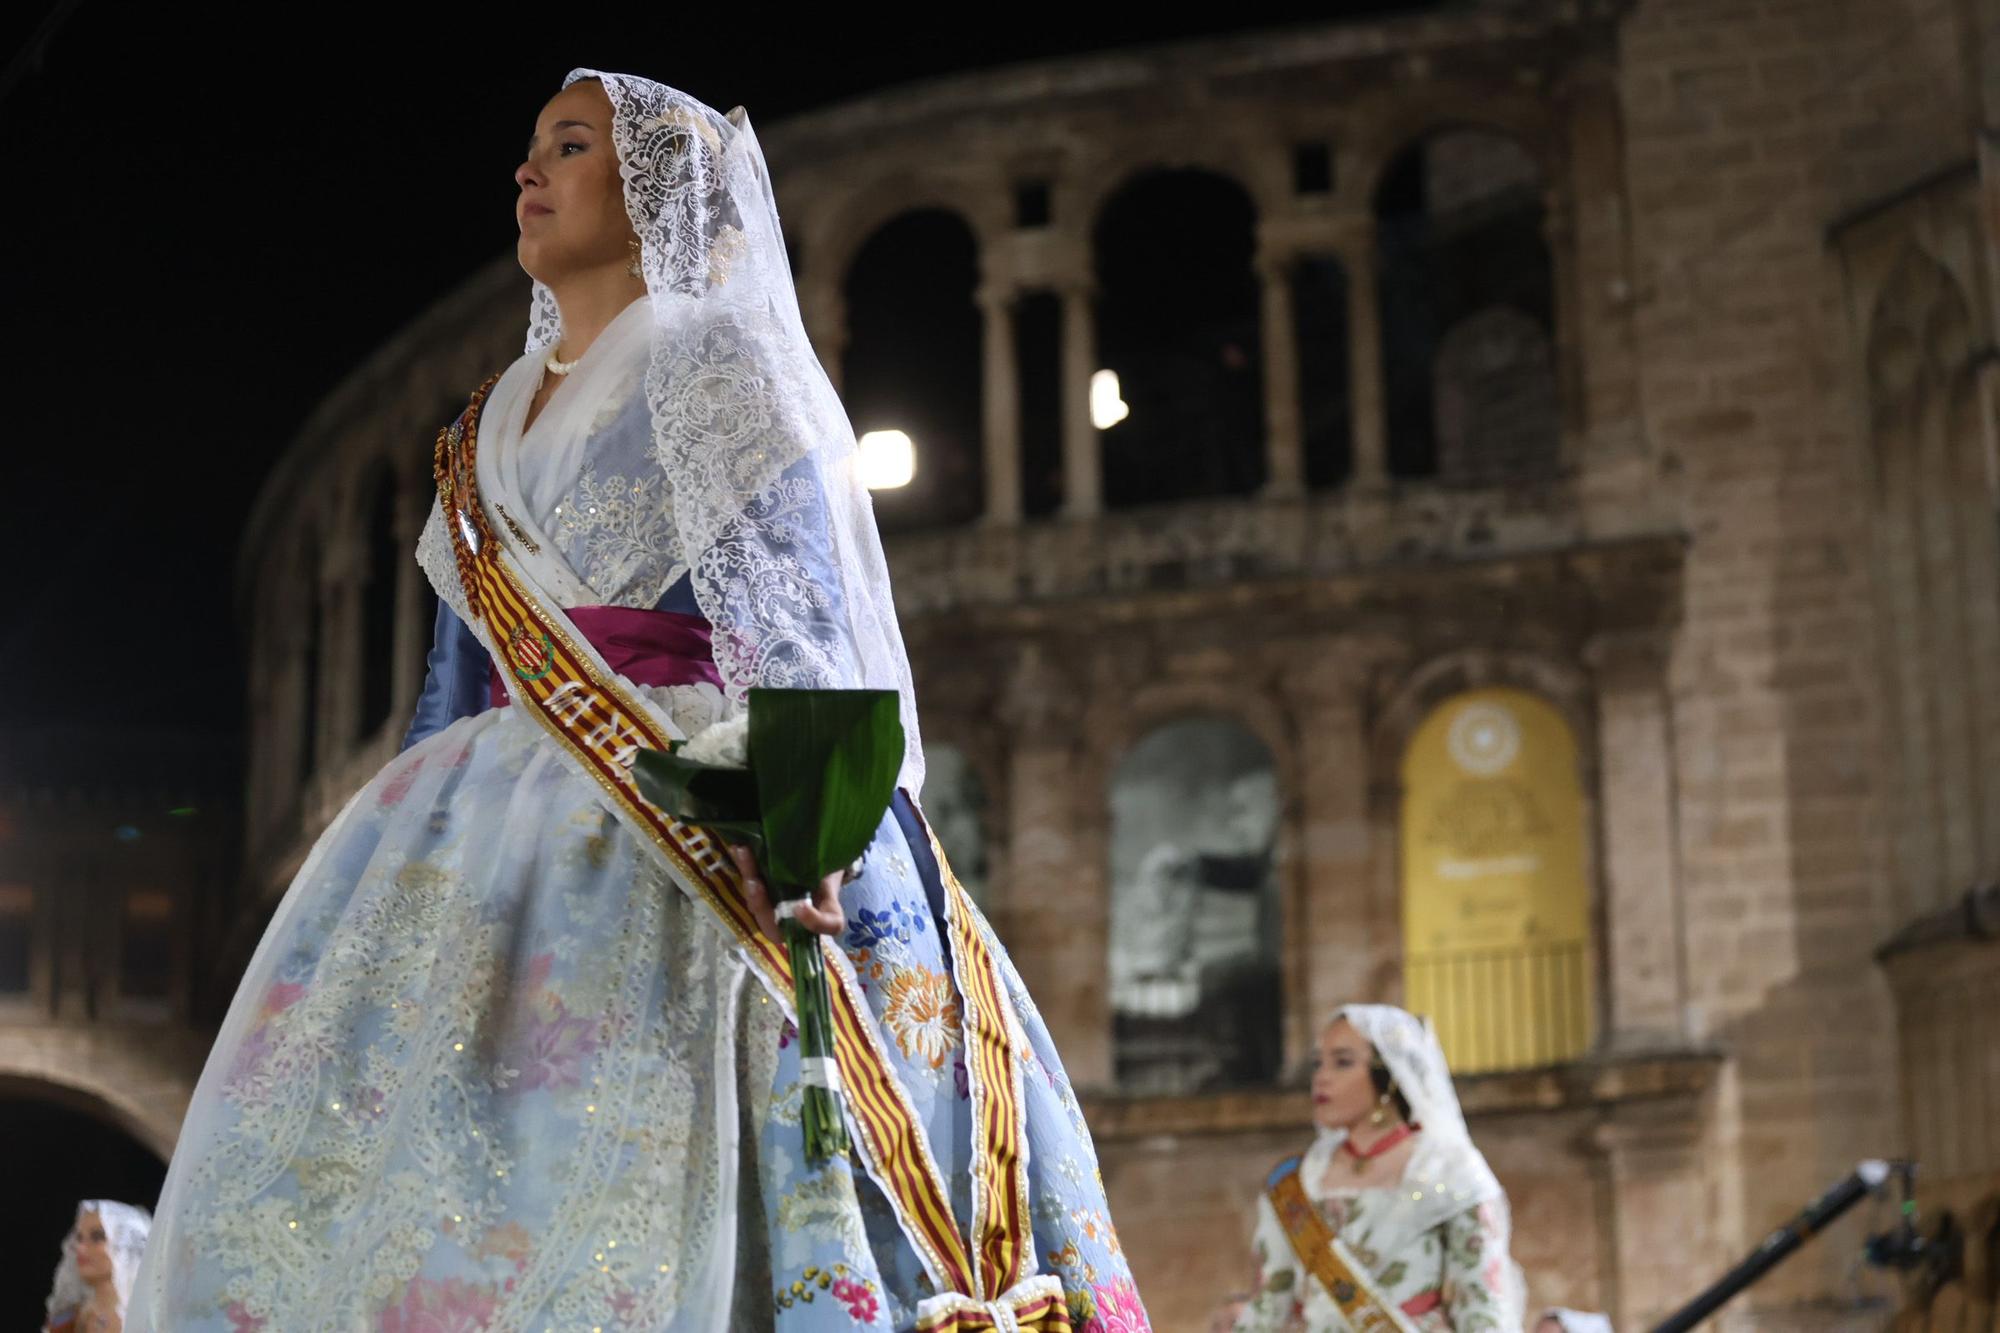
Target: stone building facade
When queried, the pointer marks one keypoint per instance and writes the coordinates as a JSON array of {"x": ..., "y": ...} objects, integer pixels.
[
  {"x": 118, "y": 879},
  {"x": 1634, "y": 359}
]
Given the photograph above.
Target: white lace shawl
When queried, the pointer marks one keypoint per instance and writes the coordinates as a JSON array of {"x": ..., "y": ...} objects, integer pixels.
[
  {"x": 1446, "y": 1169},
  {"x": 125, "y": 1230},
  {"x": 751, "y": 452}
]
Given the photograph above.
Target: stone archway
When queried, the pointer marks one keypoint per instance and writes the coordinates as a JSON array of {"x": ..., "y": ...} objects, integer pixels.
[{"x": 137, "y": 1079}]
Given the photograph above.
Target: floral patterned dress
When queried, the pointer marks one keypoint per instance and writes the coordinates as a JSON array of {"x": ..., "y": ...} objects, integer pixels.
[
  {"x": 1447, "y": 1269},
  {"x": 493, "y": 1069}
]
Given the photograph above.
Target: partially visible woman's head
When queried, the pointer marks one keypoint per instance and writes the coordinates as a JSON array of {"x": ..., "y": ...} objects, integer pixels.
[
  {"x": 100, "y": 1256},
  {"x": 1350, "y": 1082},
  {"x": 1572, "y": 1321},
  {"x": 571, "y": 209},
  {"x": 93, "y": 1248}
]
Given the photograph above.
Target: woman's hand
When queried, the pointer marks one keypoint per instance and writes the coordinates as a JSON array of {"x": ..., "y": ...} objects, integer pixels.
[{"x": 822, "y": 914}]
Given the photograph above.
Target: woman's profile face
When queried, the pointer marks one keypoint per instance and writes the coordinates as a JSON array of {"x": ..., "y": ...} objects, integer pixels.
[
  {"x": 93, "y": 1249},
  {"x": 1343, "y": 1090},
  {"x": 571, "y": 209}
]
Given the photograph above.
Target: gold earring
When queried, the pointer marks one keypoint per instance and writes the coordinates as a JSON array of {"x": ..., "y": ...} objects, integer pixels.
[
  {"x": 1380, "y": 1115},
  {"x": 634, "y": 267}
]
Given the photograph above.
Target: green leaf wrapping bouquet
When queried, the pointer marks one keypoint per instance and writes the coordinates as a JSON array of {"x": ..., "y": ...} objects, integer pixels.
[{"x": 803, "y": 779}]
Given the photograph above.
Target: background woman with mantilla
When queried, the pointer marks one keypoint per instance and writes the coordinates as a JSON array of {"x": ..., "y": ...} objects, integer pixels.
[
  {"x": 100, "y": 1260},
  {"x": 512, "y": 1054},
  {"x": 1392, "y": 1215}
]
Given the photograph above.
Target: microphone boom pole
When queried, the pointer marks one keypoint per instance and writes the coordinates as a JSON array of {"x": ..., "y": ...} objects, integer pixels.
[{"x": 1865, "y": 1180}]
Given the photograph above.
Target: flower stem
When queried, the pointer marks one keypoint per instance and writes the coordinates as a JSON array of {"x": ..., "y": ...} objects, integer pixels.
[{"x": 825, "y": 1128}]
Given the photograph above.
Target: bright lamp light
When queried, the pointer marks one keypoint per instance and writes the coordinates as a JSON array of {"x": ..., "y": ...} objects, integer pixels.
[
  {"x": 888, "y": 459},
  {"x": 1107, "y": 409}
]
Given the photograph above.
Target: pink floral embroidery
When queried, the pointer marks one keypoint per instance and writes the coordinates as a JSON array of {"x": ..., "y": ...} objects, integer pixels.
[
  {"x": 250, "y": 1056},
  {"x": 509, "y": 1241},
  {"x": 241, "y": 1320},
  {"x": 1118, "y": 1309},
  {"x": 451, "y": 1306},
  {"x": 539, "y": 968},
  {"x": 397, "y": 787},
  {"x": 551, "y": 1053},
  {"x": 551, "y": 1046},
  {"x": 282, "y": 996},
  {"x": 859, "y": 1300}
]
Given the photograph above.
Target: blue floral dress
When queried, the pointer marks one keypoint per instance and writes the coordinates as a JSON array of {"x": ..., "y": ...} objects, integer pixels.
[{"x": 493, "y": 1068}]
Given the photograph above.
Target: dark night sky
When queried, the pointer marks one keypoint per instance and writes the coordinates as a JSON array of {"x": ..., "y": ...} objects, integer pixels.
[{"x": 212, "y": 220}]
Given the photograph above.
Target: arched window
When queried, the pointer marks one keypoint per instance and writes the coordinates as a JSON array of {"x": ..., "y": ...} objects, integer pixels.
[
  {"x": 1458, "y": 232},
  {"x": 1496, "y": 903},
  {"x": 1319, "y": 324},
  {"x": 1195, "y": 988},
  {"x": 17, "y": 938},
  {"x": 913, "y": 363},
  {"x": 146, "y": 948},
  {"x": 1038, "y": 320},
  {"x": 1494, "y": 390},
  {"x": 955, "y": 805},
  {"x": 1939, "y": 568},
  {"x": 1177, "y": 322},
  {"x": 97, "y": 1154}
]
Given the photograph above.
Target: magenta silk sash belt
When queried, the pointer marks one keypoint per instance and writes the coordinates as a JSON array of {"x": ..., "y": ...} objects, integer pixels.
[{"x": 646, "y": 647}]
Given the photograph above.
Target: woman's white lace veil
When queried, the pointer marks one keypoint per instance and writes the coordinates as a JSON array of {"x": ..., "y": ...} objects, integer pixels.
[
  {"x": 758, "y": 453},
  {"x": 1410, "y": 1049},
  {"x": 1453, "y": 1172},
  {"x": 125, "y": 1230}
]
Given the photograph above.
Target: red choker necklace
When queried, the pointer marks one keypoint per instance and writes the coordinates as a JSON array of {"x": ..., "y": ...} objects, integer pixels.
[{"x": 1381, "y": 1145}]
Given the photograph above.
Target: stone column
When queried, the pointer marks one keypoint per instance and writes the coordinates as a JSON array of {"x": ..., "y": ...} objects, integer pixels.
[
  {"x": 823, "y": 309},
  {"x": 1083, "y": 464},
  {"x": 271, "y": 717},
  {"x": 1597, "y": 359},
  {"x": 1365, "y": 388},
  {"x": 1345, "y": 948},
  {"x": 1979, "y": 47},
  {"x": 339, "y": 649},
  {"x": 1559, "y": 235},
  {"x": 1001, "y": 408},
  {"x": 1648, "y": 1173},
  {"x": 288, "y": 633},
  {"x": 413, "y": 628},
  {"x": 1057, "y": 893},
  {"x": 1643, "y": 930},
  {"x": 1284, "y": 435}
]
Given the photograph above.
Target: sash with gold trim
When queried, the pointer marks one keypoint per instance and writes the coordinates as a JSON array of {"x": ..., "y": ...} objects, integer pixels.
[
  {"x": 557, "y": 678},
  {"x": 1323, "y": 1255}
]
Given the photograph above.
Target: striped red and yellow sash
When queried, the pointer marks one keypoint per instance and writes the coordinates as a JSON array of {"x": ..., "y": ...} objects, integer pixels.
[
  {"x": 587, "y": 710},
  {"x": 1321, "y": 1253}
]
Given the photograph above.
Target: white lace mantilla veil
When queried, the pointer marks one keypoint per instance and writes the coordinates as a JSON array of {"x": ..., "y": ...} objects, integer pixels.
[
  {"x": 1578, "y": 1321},
  {"x": 1454, "y": 1172},
  {"x": 125, "y": 1231},
  {"x": 758, "y": 452}
]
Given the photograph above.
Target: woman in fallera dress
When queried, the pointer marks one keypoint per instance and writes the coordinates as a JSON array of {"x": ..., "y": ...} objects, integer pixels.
[
  {"x": 1392, "y": 1219},
  {"x": 100, "y": 1259},
  {"x": 514, "y": 1052}
]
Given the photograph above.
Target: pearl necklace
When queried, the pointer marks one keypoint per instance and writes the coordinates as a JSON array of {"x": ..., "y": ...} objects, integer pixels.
[{"x": 556, "y": 367}]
